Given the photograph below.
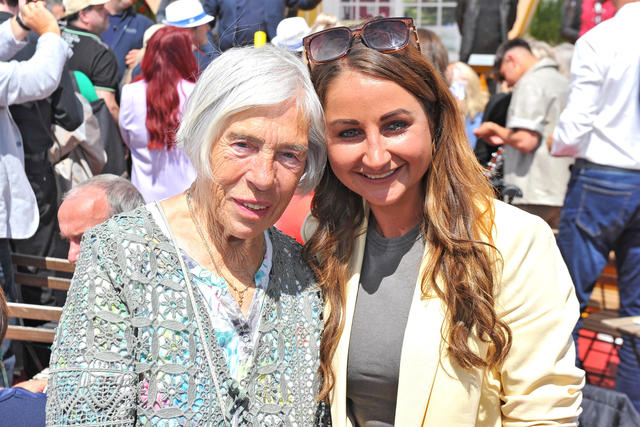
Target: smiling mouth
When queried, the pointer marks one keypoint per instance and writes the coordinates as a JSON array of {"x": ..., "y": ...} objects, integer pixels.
[
  {"x": 379, "y": 176},
  {"x": 253, "y": 206}
]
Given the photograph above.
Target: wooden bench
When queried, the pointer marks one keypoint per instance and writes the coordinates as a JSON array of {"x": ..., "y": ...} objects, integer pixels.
[
  {"x": 20, "y": 311},
  {"x": 34, "y": 280},
  {"x": 32, "y": 312}
]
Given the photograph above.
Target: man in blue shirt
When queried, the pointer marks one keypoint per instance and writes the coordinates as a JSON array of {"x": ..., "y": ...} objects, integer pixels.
[{"x": 125, "y": 31}]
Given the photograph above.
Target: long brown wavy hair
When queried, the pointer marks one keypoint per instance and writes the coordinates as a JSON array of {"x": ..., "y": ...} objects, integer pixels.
[{"x": 457, "y": 219}]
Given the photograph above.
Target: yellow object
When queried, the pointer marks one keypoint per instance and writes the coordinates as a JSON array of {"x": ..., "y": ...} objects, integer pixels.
[
  {"x": 259, "y": 38},
  {"x": 526, "y": 10},
  {"x": 310, "y": 15}
]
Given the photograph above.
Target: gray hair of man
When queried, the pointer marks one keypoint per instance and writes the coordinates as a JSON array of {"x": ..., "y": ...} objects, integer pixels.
[
  {"x": 122, "y": 195},
  {"x": 241, "y": 79}
]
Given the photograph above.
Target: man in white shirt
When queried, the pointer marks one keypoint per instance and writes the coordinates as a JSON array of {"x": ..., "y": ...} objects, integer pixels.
[
  {"x": 600, "y": 128},
  {"x": 22, "y": 82}
]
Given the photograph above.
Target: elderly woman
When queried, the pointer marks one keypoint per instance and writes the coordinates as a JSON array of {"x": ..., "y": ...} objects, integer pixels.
[
  {"x": 193, "y": 311},
  {"x": 445, "y": 306}
]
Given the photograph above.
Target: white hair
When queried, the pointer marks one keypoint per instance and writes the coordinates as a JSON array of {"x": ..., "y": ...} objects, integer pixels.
[{"x": 243, "y": 78}]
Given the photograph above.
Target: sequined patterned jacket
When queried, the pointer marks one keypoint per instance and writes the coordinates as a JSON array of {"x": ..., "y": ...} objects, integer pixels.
[{"x": 130, "y": 346}]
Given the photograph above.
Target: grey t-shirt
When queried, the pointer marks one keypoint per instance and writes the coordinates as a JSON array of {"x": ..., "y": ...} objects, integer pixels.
[{"x": 387, "y": 282}]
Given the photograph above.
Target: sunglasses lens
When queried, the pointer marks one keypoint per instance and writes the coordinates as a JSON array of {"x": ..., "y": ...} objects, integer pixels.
[
  {"x": 329, "y": 45},
  {"x": 386, "y": 35}
]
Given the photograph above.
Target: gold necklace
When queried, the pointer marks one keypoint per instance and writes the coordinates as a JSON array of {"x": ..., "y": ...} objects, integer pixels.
[{"x": 239, "y": 293}]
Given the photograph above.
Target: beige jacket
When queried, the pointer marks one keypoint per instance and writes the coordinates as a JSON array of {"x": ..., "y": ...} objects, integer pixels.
[{"x": 537, "y": 384}]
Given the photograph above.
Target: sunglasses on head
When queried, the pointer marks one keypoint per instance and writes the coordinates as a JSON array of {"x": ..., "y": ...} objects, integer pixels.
[{"x": 384, "y": 35}]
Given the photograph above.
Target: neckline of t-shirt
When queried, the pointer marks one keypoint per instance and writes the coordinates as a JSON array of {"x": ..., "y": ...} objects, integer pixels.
[{"x": 401, "y": 242}]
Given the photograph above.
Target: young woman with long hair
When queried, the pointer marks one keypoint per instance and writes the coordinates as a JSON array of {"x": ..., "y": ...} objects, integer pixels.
[
  {"x": 443, "y": 306},
  {"x": 150, "y": 111}
]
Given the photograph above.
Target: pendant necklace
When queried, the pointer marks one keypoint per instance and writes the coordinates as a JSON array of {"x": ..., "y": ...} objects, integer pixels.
[{"x": 239, "y": 292}]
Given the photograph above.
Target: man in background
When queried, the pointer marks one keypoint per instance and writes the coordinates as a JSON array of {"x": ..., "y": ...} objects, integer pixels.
[
  {"x": 86, "y": 20},
  {"x": 189, "y": 14},
  {"x": 125, "y": 32},
  {"x": 91, "y": 203},
  {"x": 238, "y": 20},
  {"x": 600, "y": 128},
  {"x": 484, "y": 24},
  {"x": 539, "y": 95},
  {"x": 22, "y": 82}
]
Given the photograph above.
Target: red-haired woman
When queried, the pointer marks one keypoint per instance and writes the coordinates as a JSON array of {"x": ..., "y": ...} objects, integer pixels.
[{"x": 150, "y": 112}]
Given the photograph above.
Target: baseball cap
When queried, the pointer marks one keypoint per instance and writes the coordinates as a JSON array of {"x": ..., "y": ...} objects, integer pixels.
[{"x": 73, "y": 6}]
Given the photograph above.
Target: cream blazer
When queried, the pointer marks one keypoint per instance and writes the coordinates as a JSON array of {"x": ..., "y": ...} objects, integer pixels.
[{"x": 538, "y": 384}]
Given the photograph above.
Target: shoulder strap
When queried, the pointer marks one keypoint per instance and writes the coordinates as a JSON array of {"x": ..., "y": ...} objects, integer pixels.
[{"x": 192, "y": 300}]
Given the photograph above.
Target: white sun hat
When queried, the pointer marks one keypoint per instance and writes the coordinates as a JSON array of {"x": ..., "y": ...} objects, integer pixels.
[
  {"x": 186, "y": 14},
  {"x": 290, "y": 33}
]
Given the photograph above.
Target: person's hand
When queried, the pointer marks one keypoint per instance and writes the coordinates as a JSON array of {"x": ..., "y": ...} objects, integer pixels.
[
  {"x": 34, "y": 386},
  {"x": 36, "y": 16},
  {"x": 488, "y": 132},
  {"x": 132, "y": 57}
]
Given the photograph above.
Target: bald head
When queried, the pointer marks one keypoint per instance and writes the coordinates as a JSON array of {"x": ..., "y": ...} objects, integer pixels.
[{"x": 84, "y": 210}]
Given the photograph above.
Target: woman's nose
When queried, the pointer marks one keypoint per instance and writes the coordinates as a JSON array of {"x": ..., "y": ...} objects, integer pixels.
[
  {"x": 376, "y": 155},
  {"x": 262, "y": 173}
]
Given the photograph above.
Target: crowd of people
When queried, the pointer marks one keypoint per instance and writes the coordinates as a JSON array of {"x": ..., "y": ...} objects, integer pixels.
[{"x": 176, "y": 164}]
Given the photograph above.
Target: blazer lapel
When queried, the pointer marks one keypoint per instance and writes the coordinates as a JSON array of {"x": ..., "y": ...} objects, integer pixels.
[
  {"x": 419, "y": 361},
  {"x": 339, "y": 392}
]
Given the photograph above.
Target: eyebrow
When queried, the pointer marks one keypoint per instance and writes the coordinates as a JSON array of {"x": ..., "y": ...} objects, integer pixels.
[
  {"x": 383, "y": 118},
  {"x": 395, "y": 113},
  {"x": 344, "y": 122},
  {"x": 250, "y": 138},
  {"x": 296, "y": 147},
  {"x": 256, "y": 140}
]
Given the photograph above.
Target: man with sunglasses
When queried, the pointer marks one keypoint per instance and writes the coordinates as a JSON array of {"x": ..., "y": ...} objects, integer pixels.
[{"x": 539, "y": 95}]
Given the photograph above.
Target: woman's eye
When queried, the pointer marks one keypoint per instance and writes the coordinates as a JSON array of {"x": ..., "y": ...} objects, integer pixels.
[
  {"x": 291, "y": 159},
  {"x": 241, "y": 146},
  {"x": 349, "y": 133},
  {"x": 396, "y": 126}
]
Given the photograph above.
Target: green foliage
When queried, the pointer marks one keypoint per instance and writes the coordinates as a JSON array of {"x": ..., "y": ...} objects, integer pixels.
[{"x": 546, "y": 22}]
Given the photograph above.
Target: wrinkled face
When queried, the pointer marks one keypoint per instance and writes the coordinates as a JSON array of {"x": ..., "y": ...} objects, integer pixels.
[
  {"x": 80, "y": 213},
  {"x": 96, "y": 19},
  {"x": 378, "y": 139},
  {"x": 257, "y": 163}
]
